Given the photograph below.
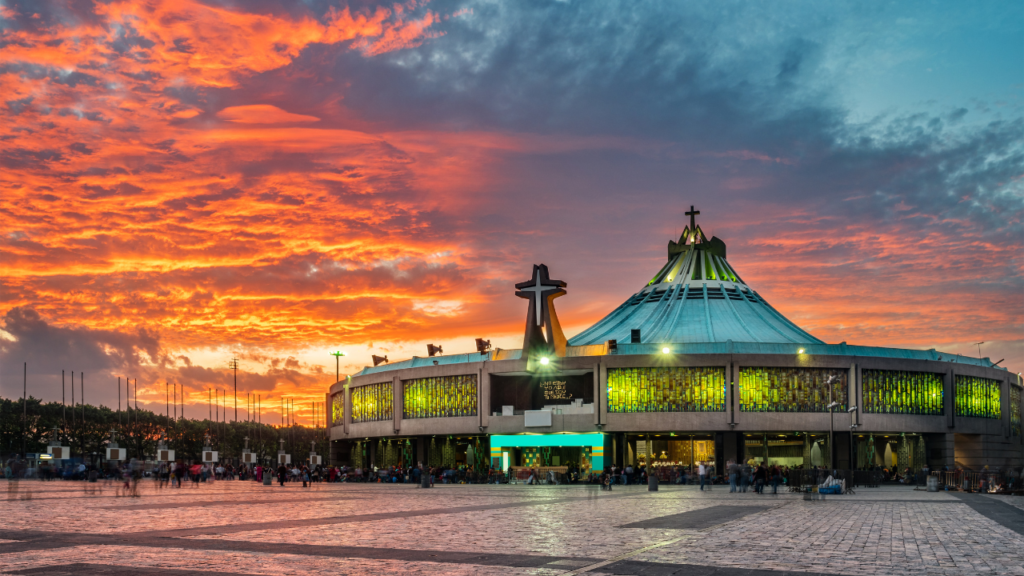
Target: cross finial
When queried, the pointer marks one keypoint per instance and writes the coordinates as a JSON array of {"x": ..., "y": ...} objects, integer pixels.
[{"x": 693, "y": 218}]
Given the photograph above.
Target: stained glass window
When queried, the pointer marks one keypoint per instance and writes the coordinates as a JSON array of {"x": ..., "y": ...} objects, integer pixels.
[
  {"x": 676, "y": 389},
  {"x": 439, "y": 397},
  {"x": 977, "y": 397},
  {"x": 898, "y": 392},
  {"x": 1015, "y": 395},
  {"x": 338, "y": 408},
  {"x": 373, "y": 402},
  {"x": 790, "y": 389}
]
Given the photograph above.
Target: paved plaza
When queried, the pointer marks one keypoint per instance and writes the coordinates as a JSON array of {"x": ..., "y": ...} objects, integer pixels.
[{"x": 235, "y": 527}]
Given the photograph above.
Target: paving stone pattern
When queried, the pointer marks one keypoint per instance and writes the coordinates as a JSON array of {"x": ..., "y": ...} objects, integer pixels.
[{"x": 228, "y": 528}]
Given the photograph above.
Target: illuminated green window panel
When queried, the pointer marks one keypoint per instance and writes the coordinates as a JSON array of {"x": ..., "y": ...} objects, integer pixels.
[
  {"x": 441, "y": 397},
  {"x": 675, "y": 389},
  {"x": 898, "y": 392},
  {"x": 1015, "y": 395},
  {"x": 790, "y": 389},
  {"x": 373, "y": 403},
  {"x": 977, "y": 397},
  {"x": 338, "y": 408}
]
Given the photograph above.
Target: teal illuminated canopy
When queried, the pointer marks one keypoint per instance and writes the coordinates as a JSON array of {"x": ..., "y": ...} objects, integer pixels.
[{"x": 546, "y": 440}]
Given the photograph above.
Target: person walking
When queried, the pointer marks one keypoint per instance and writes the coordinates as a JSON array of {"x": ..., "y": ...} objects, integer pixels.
[
  {"x": 702, "y": 471},
  {"x": 760, "y": 476},
  {"x": 745, "y": 473},
  {"x": 733, "y": 469}
]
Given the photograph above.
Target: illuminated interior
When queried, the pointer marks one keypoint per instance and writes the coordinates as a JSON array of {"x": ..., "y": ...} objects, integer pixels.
[
  {"x": 895, "y": 392},
  {"x": 666, "y": 389},
  {"x": 373, "y": 402},
  {"x": 444, "y": 396},
  {"x": 790, "y": 389}
]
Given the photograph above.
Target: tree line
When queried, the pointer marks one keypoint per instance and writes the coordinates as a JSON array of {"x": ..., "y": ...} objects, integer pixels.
[{"x": 28, "y": 427}]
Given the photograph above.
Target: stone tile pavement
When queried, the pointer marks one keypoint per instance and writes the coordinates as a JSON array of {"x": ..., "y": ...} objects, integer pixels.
[{"x": 244, "y": 528}]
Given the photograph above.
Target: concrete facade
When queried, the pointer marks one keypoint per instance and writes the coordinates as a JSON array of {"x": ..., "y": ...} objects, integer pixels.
[{"x": 951, "y": 439}]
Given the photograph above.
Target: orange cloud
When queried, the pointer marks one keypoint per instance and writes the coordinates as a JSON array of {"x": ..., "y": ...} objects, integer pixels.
[
  {"x": 138, "y": 189},
  {"x": 262, "y": 114}
]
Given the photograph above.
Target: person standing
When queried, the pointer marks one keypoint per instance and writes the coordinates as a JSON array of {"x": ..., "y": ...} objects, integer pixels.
[
  {"x": 733, "y": 469},
  {"x": 701, "y": 471}
]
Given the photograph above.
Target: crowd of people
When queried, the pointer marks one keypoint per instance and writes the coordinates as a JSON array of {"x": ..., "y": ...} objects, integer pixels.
[{"x": 739, "y": 476}]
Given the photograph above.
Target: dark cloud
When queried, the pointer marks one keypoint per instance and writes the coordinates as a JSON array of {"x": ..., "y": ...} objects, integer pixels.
[
  {"x": 71, "y": 79},
  {"x": 122, "y": 189},
  {"x": 81, "y": 148},
  {"x": 17, "y": 106},
  {"x": 48, "y": 348}
]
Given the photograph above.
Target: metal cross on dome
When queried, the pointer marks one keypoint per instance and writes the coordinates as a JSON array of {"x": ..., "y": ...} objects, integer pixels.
[{"x": 538, "y": 289}]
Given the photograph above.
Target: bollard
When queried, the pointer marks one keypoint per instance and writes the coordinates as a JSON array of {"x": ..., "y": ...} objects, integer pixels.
[
  {"x": 652, "y": 483},
  {"x": 424, "y": 480},
  {"x": 268, "y": 479},
  {"x": 933, "y": 483}
]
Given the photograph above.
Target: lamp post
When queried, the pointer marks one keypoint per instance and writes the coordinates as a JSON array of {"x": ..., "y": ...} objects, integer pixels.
[
  {"x": 337, "y": 364},
  {"x": 831, "y": 422}
]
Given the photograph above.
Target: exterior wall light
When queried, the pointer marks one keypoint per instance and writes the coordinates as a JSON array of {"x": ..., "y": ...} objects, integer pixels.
[
  {"x": 800, "y": 351},
  {"x": 665, "y": 350},
  {"x": 544, "y": 360}
]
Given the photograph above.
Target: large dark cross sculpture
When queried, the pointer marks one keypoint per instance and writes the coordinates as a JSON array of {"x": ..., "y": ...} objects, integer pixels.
[
  {"x": 693, "y": 217},
  {"x": 544, "y": 335}
]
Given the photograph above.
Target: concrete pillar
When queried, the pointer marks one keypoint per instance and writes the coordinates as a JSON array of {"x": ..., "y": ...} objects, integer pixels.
[
  {"x": 737, "y": 415},
  {"x": 843, "y": 442},
  {"x": 941, "y": 450},
  {"x": 854, "y": 393},
  {"x": 421, "y": 450},
  {"x": 348, "y": 408},
  {"x": 719, "y": 452},
  {"x": 601, "y": 395},
  {"x": 483, "y": 392},
  {"x": 729, "y": 393}
]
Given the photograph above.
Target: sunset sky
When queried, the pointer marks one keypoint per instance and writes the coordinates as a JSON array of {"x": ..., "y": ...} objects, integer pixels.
[{"x": 181, "y": 182}]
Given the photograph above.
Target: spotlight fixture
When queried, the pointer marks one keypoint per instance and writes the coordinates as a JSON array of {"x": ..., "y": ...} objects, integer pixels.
[
  {"x": 482, "y": 346},
  {"x": 665, "y": 350},
  {"x": 800, "y": 351},
  {"x": 433, "y": 350},
  {"x": 378, "y": 359},
  {"x": 544, "y": 360}
]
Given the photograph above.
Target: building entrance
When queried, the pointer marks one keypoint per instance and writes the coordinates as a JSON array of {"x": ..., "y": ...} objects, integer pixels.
[
  {"x": 793, "y": 450},
  {"x": 670, "y": 449},
  {"x": 580, "y": 452}
]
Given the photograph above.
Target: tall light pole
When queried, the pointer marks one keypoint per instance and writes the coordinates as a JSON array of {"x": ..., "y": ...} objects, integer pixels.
[
  {"x": 337, "y": 364},
  {"x": 234, "y": 366},
  {"x": 831, "y": 423},
  {"x": 24, "y": 412}
]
